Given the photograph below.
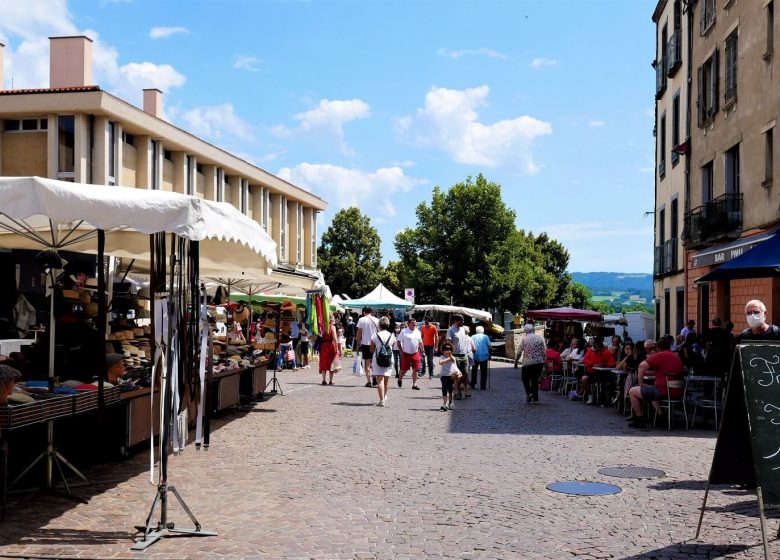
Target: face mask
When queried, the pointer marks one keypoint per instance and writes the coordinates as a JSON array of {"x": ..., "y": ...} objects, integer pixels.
[{"x": 755, "y": 320}]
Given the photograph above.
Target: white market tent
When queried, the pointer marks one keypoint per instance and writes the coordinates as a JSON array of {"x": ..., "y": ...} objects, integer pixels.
[
  {"x": 465, "y": 311},
  {"x": 379, "y": 298},
  {"x": 38, "y": 213}
]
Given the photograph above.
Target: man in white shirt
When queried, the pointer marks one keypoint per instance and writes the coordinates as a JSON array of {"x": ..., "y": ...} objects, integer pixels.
[
  {"x": 366, "y": 329},
  {"x": 461, "y": 345},
  {"x": 412, "y": 348}
]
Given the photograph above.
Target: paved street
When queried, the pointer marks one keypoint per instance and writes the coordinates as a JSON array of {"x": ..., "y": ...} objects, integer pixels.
[{"x": 323, "y": 473}]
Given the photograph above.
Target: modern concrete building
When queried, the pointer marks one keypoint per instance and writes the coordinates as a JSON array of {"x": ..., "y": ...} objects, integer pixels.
[
  {"x": 672, "y": 130},
  {"x": 75, "y": 131},
  {"x": 732, "y": 201}
]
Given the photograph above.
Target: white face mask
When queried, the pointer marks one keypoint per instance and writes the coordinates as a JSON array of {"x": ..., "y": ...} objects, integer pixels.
[{"x": 755, "y": 320}]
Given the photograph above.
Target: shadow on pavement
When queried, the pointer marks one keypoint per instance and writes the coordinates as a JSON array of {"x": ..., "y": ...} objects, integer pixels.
[{"x": 695, "y": 550}]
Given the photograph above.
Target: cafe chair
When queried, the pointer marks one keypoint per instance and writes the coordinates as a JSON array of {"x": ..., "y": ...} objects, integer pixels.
[
  {"x": 708, "y": 401},
  {"x": 570, "y": 381},
  {"x": 556, "y": 377},
  {"x": 669, "y": 403}
]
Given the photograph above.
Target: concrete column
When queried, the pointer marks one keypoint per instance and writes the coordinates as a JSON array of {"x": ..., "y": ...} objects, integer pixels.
[
  {"x": 233, "y": 196},
  {"x": 120, "y": 153},
  {"x": 275, "y": 222},
  {"x": 179, "y": 172},
  {"x": 100, "y": 151},
  {"x": 81, "y": 154},
  {"x": 210, "y": 182},
  {"x": 143, "y": 162},
  {"x": 307, "y": 234},
  {"x": 52, "y": 145}
]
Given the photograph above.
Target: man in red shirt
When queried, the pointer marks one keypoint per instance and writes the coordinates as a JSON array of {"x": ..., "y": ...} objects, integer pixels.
[
  {"x": 597, "y": 356},
  {"x": 664, "y": 364},
  {"x": 430, "y": 337}
]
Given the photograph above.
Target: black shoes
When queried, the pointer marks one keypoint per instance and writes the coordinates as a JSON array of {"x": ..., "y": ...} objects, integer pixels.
[
  {"x": 638, "y": 423},
  {"x": 415, "y": 387},
  {"x": 400, "y": 382}
]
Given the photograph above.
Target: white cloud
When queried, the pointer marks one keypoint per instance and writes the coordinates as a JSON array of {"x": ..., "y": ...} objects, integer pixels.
[
  {"x": 165, "y": 32},
  {"x": 569, "y": 233},
  {"x": 371, "y": 191},
  {"x": 455, "y": 55},
  {"x": 449, "y": 121},
  {"x": 596, "y": 124},
  {"x": 538, "y": 63},
  {"x": 329, "y": 116},
  {"x": 216, "y": 121},
  {"x": 244, "y": 62}
]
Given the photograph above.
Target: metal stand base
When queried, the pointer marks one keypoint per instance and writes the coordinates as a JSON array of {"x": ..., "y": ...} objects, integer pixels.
[
  {"x": 164, "y": 528},
  {"x": 276, "y": 387}
]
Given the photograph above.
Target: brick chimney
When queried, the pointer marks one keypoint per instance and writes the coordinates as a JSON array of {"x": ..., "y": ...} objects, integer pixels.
[
  {"x": 153, "y": 102},
  {"x": 70, "y": 61},
  {"x": 2, "y": 66}
]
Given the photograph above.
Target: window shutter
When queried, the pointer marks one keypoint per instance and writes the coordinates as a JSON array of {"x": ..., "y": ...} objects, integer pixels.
[
  {"x": 700, "y": 108},
  {"x": 715, "y": 81},
  {"x": 702, "y": 17}
]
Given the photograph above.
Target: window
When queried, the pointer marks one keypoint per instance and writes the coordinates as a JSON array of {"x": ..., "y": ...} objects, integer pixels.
[
  {"x": 661, "y": 68},
  {"x": 707, "y": 15},
  {"x": 731, "y": 164},
  {"x": 155, "y": 155},
  {"x": 265, "y": 200},
  {"x": 770, "y": 30},
  {"x": 111, "y": 149},
  {"x": 667, "y": 311},
  {"x": 189, "y": 169},
  {"x": 167, "y": 154},
  {"x": 662, "y": 146},
  {"x": 769, "y": 157},
  {"x": 314, "y": 238},
  {"x": 299, "y": 233},
  {"x": 283, "y": 233},
  {"x": 661, "y": 226},
  {"x": 243, "y": 195},
  {"x": 25, "y": 125},
  {"x": 707, "y": 101},
  {"x": 66, "y": 156},
  {"x": 128, "y": 138},
  {"x": 675, "y": 127},
  {"x": 706, "y": 182},
  {"x": 220, "y": 186},
  {"x": 730, "y": 54},
  {"x": 673, "y": 219}
]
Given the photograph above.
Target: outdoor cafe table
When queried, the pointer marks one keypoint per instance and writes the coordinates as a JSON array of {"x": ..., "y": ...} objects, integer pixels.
[{"x": 604, "y": 376}]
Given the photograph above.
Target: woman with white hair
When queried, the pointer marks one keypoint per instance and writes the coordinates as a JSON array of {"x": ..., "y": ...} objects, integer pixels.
[
  {"x": 481, "y": 358},
  {"x": 534, "y": 360}
]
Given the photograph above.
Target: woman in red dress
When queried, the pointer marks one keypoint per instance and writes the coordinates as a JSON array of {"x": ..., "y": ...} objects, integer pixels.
[{"x": 329, "y": 349}]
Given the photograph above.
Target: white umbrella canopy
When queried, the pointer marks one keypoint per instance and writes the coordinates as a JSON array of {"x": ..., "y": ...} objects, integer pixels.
[{"x": 37, "y": 213}]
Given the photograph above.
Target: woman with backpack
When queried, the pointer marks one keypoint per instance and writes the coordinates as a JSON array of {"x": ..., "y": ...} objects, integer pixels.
[{"x": 382, "y": 343}]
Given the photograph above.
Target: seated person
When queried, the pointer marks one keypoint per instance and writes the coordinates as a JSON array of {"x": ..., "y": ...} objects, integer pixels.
[
  {"x": 598, "y": 356},
  {"x": 616, "y": 347},
  {"x": 664, "y": 364},
  {"x": 575, "y": 351},
  {"x": 8, "y": 377},
  {"x": 690, "y": 352},
  {"x": 554, "y": 362},
  {"x": 629, "y": 365}
]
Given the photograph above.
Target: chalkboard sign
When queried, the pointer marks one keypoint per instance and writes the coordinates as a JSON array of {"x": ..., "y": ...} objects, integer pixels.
[{"x": 761, "y": 379}]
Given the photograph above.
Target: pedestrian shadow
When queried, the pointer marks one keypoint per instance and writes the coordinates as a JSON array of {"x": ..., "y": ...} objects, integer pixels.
[
  {"x": 345, "y": 403},
  {"x": 694, "y": 549},
  {"x": 679, "y": 485}
]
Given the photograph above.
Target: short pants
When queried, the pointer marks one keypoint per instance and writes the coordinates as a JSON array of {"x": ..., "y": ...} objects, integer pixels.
[
  {"x": 365, "y": 350},
  {"x": 410, "y": 361}
]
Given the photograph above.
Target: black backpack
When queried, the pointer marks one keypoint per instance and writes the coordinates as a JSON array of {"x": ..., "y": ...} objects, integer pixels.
[{"x": 384, "y": 354}]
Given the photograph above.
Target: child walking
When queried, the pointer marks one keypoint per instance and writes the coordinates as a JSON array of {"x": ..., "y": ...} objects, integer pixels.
[{"x": 449, "y": 372}]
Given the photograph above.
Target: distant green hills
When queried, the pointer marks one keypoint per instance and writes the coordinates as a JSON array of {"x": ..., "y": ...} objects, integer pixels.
[{"x": 617, "y": 287}]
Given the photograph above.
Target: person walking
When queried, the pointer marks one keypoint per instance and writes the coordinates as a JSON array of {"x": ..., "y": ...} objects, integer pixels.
[
  {"x": 366, "y": 328},
  {"x": 329, "y": 351},
  {"x": 448, "y": 367},
  {"x": 382, "y": 344},
  {"x": 481, "y": 357},
  {"x": 303, "y": 346},
  {"x": 430, "y": 336},
  {"x": 411, "y": 344},
  {"x": 461, "y": 342},
  {"x": 534, "y": 359}
]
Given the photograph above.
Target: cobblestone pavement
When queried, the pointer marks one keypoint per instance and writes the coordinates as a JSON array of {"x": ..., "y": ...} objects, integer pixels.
[{"x": 324, "y": 473}]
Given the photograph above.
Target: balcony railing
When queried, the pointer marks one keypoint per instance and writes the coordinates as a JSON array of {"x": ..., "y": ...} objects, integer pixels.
[
  {"x": 660, "y": 77},
  {"x": 721, "y": 218},
  {"x": 674, "y": 53}
]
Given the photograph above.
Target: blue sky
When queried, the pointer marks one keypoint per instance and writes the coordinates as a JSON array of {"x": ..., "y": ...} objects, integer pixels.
[{"x": 372, "y": 104}]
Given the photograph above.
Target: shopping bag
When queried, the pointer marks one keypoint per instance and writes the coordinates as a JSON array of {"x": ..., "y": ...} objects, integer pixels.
[
  {"x": 290, "y": 355},
  {"x": 336, "y": 364},
  {"x": 357, "y": 367}
]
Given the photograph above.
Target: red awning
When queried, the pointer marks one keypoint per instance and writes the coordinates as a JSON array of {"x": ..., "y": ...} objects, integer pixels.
[{"x": 564, "y": 313}]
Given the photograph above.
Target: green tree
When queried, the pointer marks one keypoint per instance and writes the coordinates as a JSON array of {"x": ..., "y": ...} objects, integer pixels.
[
  {"x": 349, "y": 255},
  {"x": 579, "y": 296}
]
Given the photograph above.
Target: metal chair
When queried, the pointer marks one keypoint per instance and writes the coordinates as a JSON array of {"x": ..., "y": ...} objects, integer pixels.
[
  {"x": 570, "y": 381},
  {"x": 555, "y": 376},
  {"x": 667, "y": 404},
  {"x": 705, "y": 400}
]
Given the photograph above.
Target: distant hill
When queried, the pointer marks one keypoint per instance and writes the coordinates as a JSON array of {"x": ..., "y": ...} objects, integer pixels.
[
  {"x": 617, "y": 288},
  {"x": 617, "y": 281}
]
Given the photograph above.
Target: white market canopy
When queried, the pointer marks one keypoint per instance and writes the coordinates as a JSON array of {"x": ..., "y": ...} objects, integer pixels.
[
  {"x": 38, "y": 213},
  {"x": 380, "y": 297},
  {"x": 466, "y": 311}
]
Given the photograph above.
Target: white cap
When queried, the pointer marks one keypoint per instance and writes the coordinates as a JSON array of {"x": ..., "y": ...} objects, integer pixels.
[{"x": 529, "y": 328}]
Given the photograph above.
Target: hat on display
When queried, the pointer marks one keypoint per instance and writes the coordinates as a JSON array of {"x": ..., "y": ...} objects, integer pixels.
[
  {"x": 113, "y": 358},
  {"x": 8, "y": 373}
]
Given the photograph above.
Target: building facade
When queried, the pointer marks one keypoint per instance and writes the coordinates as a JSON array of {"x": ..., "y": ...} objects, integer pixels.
[
  {"x": 671, "y": 132},
  {"x": 74, "y": 131},
  {"x": 730, "y": 200}
]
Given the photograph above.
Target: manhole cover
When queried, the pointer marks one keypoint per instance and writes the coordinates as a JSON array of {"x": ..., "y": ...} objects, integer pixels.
[
  {"x": 632, "y": 472},
  {"x": 583, "y": 488}
]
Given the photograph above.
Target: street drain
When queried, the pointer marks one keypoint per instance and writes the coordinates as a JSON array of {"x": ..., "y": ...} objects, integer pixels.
[
  {"x": 584, "y": 488},
  {"x": 632, "y": 472}
]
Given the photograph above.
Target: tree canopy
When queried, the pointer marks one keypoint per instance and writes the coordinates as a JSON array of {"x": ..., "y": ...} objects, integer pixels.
[
  {"x": 467, "y": 247},
  {"x": 349, "y": 254}
]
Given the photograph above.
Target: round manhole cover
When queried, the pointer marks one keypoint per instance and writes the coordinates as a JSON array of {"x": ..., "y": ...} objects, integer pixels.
[
  {"x": 584, "y": 488},
  {"x": 632, "y": 472}
]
